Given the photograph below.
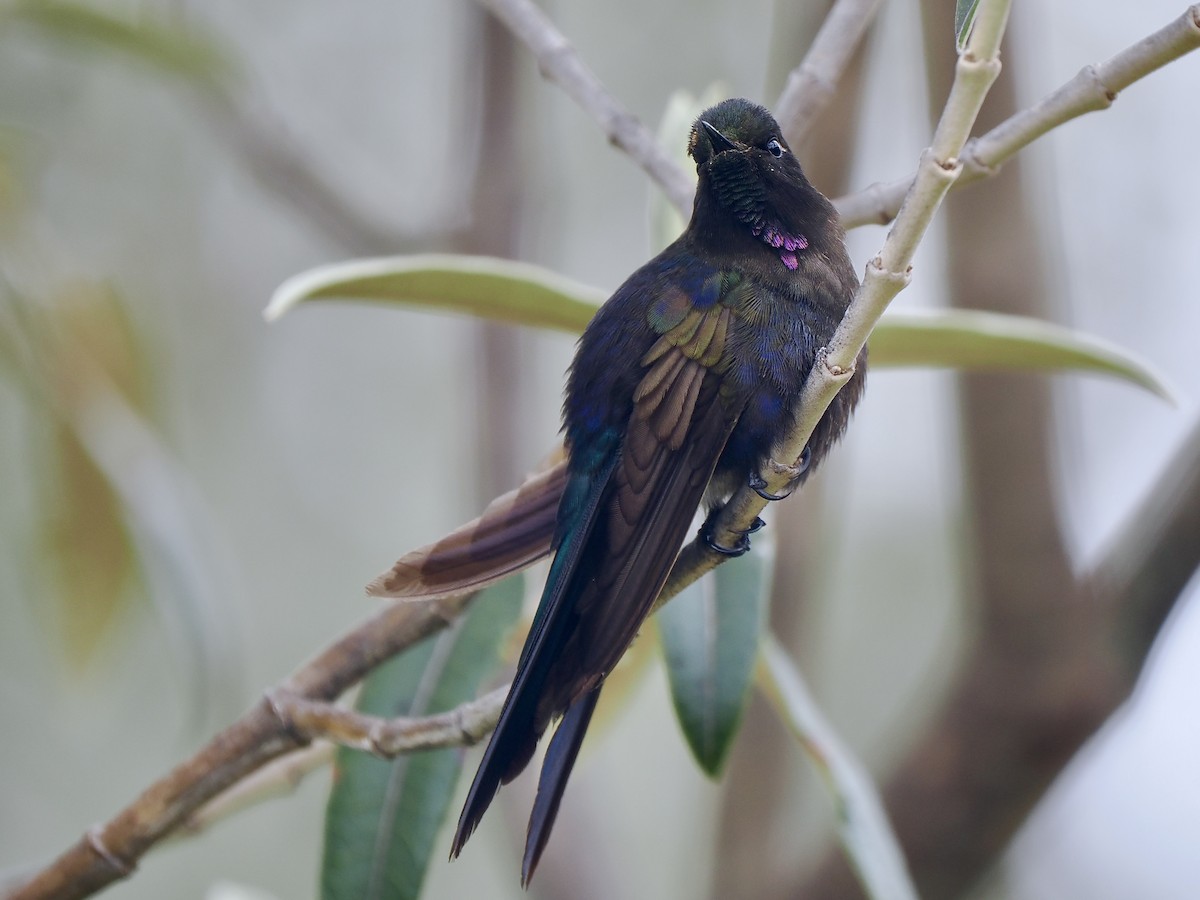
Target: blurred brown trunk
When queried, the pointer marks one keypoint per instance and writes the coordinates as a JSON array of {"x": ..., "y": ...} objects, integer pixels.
[
  {"x": 493, "y": 231},
  {"x": 753, "y": 805}
]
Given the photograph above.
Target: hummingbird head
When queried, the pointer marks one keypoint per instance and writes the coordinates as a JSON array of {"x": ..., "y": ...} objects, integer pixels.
[{"x": 748, "y": 174}]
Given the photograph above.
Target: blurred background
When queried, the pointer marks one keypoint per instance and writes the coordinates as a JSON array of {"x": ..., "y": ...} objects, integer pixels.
[{"x": 192, "y": 500}]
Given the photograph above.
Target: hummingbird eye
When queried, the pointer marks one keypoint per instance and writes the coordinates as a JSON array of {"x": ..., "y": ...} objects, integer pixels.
[{"x": 775, "y": 148}]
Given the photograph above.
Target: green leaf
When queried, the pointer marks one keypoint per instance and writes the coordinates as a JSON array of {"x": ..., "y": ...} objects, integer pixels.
[
  {"x": 177, "y": 51},
  {"x": 863, "y": 828},
  {"x": 526, "y": 294},
  {"x": 383, "y": 816},
  {"x": 491, "y": 288},
  {"x": 710, "y": 635},
  {"x": 674, "y": 129},
  {"x": 964, "y": 17},
  {"x": 964, "y": 339}
]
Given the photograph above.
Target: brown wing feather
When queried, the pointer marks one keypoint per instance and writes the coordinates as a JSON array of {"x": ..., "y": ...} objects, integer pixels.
[
  {"x": 675, "y": 435},
  {"x": 514, "y": 532}
]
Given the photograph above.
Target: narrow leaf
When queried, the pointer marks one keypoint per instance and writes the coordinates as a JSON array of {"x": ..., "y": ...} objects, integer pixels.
[
  {"x": 526, "y": 294},
  {"x": 964, "y": 18},
  {"x": 866, "y": 836},
  {"x": 710, "y": 635},
  {"x": 674, "y": 129},
  {"x": 964, "y": 339},
  {"x": 488, "y": 287},
  {"x": 383, "y": 816}
]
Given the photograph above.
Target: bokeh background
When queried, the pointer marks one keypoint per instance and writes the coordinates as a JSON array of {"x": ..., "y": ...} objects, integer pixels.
[{"x": 191, "y": 500}]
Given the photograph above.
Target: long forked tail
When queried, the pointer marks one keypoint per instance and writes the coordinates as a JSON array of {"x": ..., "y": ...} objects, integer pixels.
[
  {"x": 508, "y": 752},
  {"x": 556, "y": 769}
]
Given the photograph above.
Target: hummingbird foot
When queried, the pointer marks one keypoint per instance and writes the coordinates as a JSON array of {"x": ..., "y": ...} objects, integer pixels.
[
  {"x": 758, "y": 484},
  {"x": 738, "y": 549}
]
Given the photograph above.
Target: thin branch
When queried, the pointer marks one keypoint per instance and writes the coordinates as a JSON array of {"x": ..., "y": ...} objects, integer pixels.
[
  {"x": 866, "y": 835},
  {"x": 462, "y": 726},
  {"x": 887, "y": 274},
  {"x": 109, "y": 852},
  {"x": 559, "y": 62},
  {"x": 1094, "y": 88},
  {"x": 279, "y": 166},
  {"x": 811, "y": 85},
  {"x": 276, "y": 779}
]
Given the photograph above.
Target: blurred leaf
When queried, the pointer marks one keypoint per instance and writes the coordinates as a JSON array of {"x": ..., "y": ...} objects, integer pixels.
[
  {"x": 863, "y": 827},
  {"x": 69, "y": 354},
  {"x": 964, "y": 17},
  {"x": 710, "y": 635},
  {"x": 93, "y": 329},
  {"x": 964, "y": 339},
  {"x": 383, "y": 816},
  {"x": 12, "y": 195},
  {"x": 483, "y": 286},
  {"x": 526, "y": 294},
  {"x": 88, "y": 558},
  {"x": 177, "y": 51},
  {"x": 674, "y": 130}
]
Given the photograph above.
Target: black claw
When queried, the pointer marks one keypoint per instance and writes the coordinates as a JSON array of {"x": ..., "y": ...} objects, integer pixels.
[
  {"x": 757, "y": 484},
  {"x": 755, "y": 526},
  {"x": 740, "y": 548}
]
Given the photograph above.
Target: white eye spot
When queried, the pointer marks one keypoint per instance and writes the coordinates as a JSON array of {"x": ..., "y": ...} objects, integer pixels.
[{"x": 775, "y": 148}]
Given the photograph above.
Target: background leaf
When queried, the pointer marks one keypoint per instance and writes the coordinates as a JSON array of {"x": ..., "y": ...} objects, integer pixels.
[
  {"x": 964, "y": 17},
  {"x": 484, "y": 286},
  {"x": 866, "y": 834},
  {"x": 674, "y": 129},
  {"x": 710, "y": 635},
  {"x": 964, "y": 339},
  {"x": 177, "y": 51},
  {"x": 526, "y": 294},
  {"x": 383, "y": 816}
]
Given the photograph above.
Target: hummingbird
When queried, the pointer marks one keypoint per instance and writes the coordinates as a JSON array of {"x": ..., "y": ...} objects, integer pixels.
[{"x": 679, "y": 387}]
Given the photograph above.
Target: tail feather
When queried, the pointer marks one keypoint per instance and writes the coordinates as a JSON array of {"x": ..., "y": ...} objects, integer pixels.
[
  {"x": 507, "y": 754},
  {"x": 528, "y": 707},
  {"x": 556, "y": 768}
]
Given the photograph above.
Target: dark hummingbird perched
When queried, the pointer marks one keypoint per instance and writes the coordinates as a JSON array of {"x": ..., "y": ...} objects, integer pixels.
[{"x": 681, "y": 383}]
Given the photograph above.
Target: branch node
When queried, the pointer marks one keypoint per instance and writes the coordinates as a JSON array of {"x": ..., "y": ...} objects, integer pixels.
[
  {"x": 95, "y": 841},
  {"x": 973, "y": 165},
  {"x": 791, "y": 471},
  {"x": 278, "y": 701},
  {"x": 374, "y": 740}
]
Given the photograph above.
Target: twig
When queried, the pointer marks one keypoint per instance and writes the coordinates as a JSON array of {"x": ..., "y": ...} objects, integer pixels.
[
  {"x": 280, "y": 167},
  {"x": 459, "y": 727},
  {"x": 276, "y": 779},
  {"x": 560, "y": 62},
  {"x": 110, "y": 851},
  {"x": 886, "y": 275},
  {"x": 1094, "y": 88},
  {"x": 867, "y": 837},
  {"x": 319, "y": 720},
  {"x": 811, "y": 85}
]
